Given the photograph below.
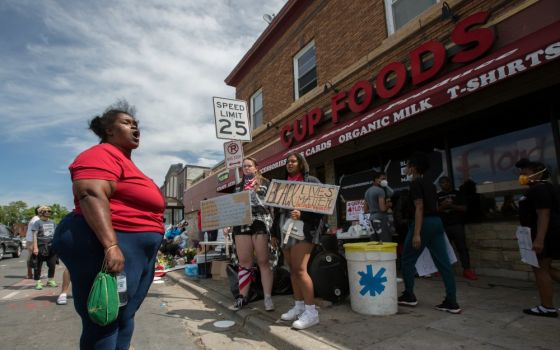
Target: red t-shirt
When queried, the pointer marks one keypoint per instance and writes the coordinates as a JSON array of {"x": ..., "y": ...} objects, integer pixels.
[{"x": 137, "y": 204}]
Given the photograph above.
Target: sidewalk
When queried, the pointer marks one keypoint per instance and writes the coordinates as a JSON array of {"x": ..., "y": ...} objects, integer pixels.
[{"x": 492, "y": 318}]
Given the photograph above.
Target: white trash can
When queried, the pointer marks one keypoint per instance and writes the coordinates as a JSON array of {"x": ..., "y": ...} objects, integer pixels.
[{"x": 372, "y": 275}]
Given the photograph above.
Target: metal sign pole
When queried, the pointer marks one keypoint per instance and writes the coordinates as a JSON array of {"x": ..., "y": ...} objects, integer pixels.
[{"x": 237, "y": 179}]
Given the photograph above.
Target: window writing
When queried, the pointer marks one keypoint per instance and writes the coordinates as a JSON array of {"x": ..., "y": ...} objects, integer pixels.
[{"x": 490, "y": 166}]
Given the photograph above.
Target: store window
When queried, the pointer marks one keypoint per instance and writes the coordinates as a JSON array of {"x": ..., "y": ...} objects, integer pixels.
[
  {"x": 256, "y": 109},
  {"x": 305, "y": 70},
  {"x": 400, "y": 12},
  {"x": 488, "y": 167}
]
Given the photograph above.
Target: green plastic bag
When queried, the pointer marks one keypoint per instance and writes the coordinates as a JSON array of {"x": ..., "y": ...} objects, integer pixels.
[{"x": 103, "y": 300}]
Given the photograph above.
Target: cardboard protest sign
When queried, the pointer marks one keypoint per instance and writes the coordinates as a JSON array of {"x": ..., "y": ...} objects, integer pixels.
[
  {"x": 305, "y": 196},
  {"x": 229, "y": 210}
]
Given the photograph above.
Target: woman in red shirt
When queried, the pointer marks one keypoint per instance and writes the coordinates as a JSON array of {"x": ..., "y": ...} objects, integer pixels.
[{"x": 118, "y": 217}]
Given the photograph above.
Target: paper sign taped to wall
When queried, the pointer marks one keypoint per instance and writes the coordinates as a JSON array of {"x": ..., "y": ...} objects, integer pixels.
[
  {"x": 304, "y": 196},
  {"x": 229, "y": 210},
  {"x": 354, "y": 209}
]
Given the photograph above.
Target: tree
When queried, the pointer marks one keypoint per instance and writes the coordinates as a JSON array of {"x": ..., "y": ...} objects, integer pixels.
[
  {"x": 18, "y": 213},
  {"x": 58, "y": 212},
  {"x": 13, "y": 213}
]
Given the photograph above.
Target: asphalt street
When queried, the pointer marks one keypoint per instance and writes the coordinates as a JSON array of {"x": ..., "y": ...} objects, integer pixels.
[{"x": 30, "y": 319}]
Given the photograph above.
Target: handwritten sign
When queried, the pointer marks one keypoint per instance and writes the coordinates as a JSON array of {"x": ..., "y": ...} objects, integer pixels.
[
  {"x": 229, "y": 210},
  {"x": 354, "y": 209},
  {"x": 305, "y": 196}
]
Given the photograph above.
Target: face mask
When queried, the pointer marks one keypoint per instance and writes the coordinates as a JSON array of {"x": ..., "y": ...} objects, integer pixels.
[
  {"x": 384, "y": 183},
  {"x": 525, "y": 179},
  {"x": 249, "y": 176}
]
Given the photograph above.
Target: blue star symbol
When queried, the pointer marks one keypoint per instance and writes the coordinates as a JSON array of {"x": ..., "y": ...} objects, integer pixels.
[{"x": 372, "y": 284}]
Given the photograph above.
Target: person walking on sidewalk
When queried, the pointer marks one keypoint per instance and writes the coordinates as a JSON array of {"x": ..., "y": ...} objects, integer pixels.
[
  {"x": 297, "y": 252},
  {"x": 426, "y": 230},
  {"x": 255, "y": 238},
  {"x": 118, "y": 219},
  {"x": 452, "y": 209},
  {"x": 539, "y": 209},
  {"x": 29, "y": 243},
  {"x": 43, "y": 231},
  {"x": 63, "y": 296}
]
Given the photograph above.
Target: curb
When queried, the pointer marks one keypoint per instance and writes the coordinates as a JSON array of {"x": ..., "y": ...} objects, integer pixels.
[{"x": 273, "y": 331}]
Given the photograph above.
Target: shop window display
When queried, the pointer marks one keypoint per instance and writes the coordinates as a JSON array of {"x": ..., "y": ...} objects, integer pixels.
[{"x": 486, "y": 169}]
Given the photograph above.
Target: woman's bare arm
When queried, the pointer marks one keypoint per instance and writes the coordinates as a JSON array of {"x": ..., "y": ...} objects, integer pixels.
[{"x": 94, "y": 202}]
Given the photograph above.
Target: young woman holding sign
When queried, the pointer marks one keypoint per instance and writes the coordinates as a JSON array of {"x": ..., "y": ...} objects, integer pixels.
[
  {"x": 254, "y": 238},
  {"x": 297, "y": 249}
]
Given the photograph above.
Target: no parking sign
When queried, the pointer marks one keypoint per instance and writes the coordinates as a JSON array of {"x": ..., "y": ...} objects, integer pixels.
[{"x": 233, "y": 152}]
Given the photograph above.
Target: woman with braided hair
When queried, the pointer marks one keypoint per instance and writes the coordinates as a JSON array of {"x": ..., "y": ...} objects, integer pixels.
[
  {"x": 297, "y": 251},
  {"x": 254, "y": 238}
]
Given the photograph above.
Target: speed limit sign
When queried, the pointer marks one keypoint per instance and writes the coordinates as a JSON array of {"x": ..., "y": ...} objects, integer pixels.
[{"x": 232, "y": 119}]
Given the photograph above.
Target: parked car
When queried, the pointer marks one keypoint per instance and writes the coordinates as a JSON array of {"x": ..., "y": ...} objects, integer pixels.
[{"x": 9, "y": 244}]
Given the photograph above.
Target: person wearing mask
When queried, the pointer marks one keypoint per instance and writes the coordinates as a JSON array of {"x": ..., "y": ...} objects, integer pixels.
[
  {"x": 254, "y": 239},
  {"x": 376, "y": 204},
  {"x": 43, "y": 231},
  {"x": 539, "y": 210},
  {"x": 29, "y": 243},
  {"x": 117, "y": 223},
  {"x": 426, "y": 230},
  {"x": 452, "y": 209},
  {"x": 297, "y": 252}
]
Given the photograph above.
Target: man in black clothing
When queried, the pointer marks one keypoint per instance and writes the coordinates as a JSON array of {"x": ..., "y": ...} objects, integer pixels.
[{"x": 452, "y": 209}]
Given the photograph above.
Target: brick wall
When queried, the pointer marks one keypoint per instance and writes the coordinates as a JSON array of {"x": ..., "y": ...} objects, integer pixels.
[
  {"x": 352, "y": 44},
  {"x": 494, "y": 251}
]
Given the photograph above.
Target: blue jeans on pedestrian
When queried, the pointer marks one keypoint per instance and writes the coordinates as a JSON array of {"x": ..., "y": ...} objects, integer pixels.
[
  {"x": 432, "y": 237},
  {"x": 80, "y": 250}
]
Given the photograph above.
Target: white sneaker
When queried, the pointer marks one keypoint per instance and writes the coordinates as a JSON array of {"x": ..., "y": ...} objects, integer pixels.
[
  {"x": 62, "y": 299},
  {"x": 292, "y": 314},
  {"x": 268, "y": 304},
  {"x": 306, "y": 320}
]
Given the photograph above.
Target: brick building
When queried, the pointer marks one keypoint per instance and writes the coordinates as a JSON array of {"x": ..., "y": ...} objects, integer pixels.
[{"x": 357, "y": 85}]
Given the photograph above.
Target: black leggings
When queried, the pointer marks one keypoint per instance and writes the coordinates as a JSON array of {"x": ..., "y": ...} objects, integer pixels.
[{"x": 51, "y": 263}]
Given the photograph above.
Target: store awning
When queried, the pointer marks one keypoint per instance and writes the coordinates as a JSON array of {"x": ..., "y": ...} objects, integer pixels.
[{"x": 532, "y": 51}]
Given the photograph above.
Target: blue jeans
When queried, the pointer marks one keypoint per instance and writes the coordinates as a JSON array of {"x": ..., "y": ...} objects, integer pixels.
[
  {"x": 432, "y": 236},
  {"x": 79, "y": 249}
]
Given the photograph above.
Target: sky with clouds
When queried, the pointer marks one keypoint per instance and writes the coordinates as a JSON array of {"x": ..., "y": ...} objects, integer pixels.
[{"x": 63, "y": 61}]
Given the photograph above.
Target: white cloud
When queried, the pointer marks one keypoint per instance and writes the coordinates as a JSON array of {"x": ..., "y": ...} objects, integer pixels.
[{"x": 167, "y": 57}]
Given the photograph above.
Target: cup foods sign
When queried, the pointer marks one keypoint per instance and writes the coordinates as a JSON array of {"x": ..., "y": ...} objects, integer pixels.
[{"x": 473, "y": 43}]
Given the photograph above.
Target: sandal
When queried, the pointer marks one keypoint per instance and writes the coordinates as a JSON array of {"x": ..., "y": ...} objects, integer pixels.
[{"x": 541, "y": 311}]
